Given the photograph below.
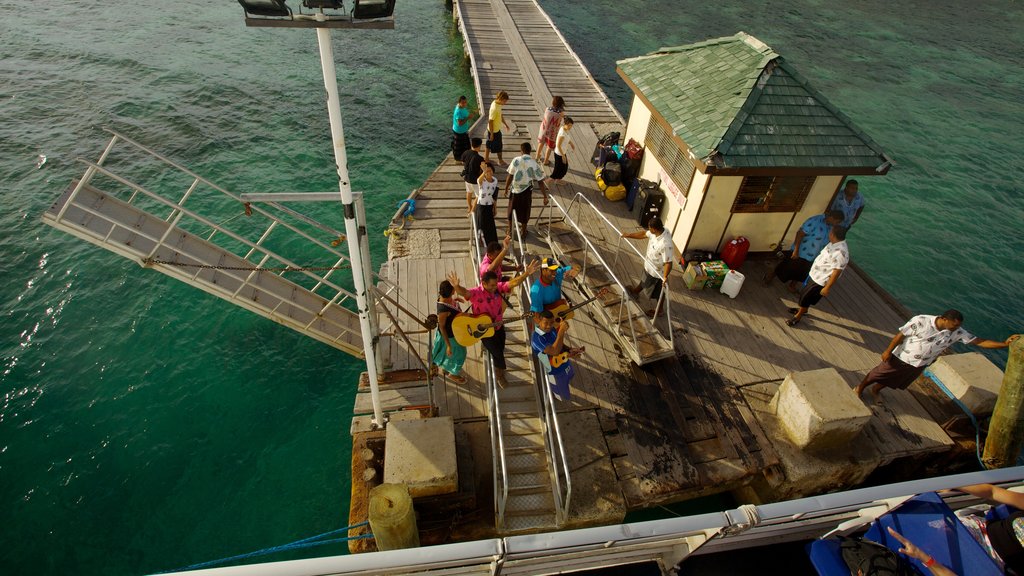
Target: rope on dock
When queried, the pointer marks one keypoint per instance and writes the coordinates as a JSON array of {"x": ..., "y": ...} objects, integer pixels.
[
  {"x": 966, "y": 410},
  {"x": 298, "y": 544}
]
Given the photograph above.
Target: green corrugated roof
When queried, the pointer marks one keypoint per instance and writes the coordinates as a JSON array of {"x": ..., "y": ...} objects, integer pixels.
[{"x": 737, "y": 104}]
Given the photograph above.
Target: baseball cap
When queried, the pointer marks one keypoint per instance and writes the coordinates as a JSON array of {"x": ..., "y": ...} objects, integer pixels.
[{"x": 550, "y": 264}]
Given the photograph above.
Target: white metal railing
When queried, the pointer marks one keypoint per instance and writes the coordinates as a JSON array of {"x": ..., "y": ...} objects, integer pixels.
[
  {"x": 552, "y": 429},
  {"x": 664, "y": 299},
  {"x": 667, "y": 541},
  {"x": 220, "y": 198},
  {"x": 499, "y": 461}
]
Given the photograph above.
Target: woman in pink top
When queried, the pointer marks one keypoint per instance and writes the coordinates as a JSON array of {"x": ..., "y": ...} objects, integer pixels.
[{"x": 549, "y": 126}]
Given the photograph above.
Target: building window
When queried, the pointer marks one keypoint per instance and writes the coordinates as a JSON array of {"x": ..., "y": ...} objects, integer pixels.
[
  {"x": 675, "y": 162},
  {"x": 772, "y": 193}
]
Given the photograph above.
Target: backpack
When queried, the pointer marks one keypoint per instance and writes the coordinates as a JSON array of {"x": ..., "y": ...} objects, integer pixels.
[
  {"x": 609, "y": 139},
  {"x": 612, "y": 173},
  {"x": 871, "y": 559}
]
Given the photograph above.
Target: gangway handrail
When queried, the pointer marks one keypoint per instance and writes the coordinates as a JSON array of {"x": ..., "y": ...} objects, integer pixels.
[
  {"x": 548, "y": 403},
  {"x": 252, "y": 245},
  {"x": 663, "y": 297},
  {"x": 494, "y": 403}
]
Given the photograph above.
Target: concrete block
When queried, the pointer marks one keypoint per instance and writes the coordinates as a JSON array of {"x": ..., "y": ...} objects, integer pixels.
[
  {"x": 421, "y": 455},
  {"x": 972, "y": 378},
  {"x": 818, "y": 410}
]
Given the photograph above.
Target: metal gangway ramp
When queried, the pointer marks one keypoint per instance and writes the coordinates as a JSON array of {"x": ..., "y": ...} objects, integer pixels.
[
  {"x": 566, "y": 232},
  {"x": 267, "y": 258}
]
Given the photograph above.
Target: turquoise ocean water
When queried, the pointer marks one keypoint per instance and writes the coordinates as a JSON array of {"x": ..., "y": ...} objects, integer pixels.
[{"x": 145, "y": 426}]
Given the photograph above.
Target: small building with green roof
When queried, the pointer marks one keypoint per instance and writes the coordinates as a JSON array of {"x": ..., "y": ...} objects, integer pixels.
[{"x": 741, "y": 144}]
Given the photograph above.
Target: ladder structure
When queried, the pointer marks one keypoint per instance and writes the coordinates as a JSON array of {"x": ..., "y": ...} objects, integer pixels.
[
  {"x": 527, "y": 486},
  {"x": 639, "y": 335},
  {"x": 263, "y": 254}
]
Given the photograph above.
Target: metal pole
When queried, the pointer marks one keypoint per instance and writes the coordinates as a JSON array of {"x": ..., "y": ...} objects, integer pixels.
[
  {"x": 371, "y": 304},
  {"x": 323, "y": 36},
  {"x": 1005, "y": 431}
]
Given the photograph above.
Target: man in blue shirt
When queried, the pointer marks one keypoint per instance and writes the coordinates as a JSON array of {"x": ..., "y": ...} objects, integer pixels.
[
  {"x": 548, "y": 344},
  {"x": 850, "y": 203},
  {"x": 547, "y": 289},
  {"x": 810, "y": 239},
  {"x": 460, "y": 128}
]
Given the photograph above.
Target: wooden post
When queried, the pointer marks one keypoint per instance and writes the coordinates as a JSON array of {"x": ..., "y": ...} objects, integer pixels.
[
  {"x": 392, "y": 517},
  {"x": 1006, "y": 430}
]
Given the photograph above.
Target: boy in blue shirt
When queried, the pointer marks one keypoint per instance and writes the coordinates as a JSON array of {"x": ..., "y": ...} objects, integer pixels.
[{"x": 549, "y": 345}]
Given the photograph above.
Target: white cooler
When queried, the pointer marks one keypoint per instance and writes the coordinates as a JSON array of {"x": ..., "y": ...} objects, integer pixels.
[{"x": 732, "y": 283}]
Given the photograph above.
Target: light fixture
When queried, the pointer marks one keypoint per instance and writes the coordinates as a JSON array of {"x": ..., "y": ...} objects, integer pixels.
[{"x": 320, "y": 13}]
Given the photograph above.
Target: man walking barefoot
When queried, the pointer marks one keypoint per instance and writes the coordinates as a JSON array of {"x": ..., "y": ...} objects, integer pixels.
[{"x": 918, "y": 343}]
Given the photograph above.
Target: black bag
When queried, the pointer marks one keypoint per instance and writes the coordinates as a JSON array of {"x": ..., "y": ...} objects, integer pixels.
[
  {"x": 611, "y": 173},
  {"x": 871, "y": 559},
  {"x": 609, "y": 139}
]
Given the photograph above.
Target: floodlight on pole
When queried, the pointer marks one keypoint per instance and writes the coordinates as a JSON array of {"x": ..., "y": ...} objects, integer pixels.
[{"x": 324, "y": 15}]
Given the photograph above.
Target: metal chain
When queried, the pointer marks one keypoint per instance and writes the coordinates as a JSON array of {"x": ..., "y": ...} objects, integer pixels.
[{"x": 249, "y": 268}]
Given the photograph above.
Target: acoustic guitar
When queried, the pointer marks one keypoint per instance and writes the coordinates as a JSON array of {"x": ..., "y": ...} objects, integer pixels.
[
  {"x": 468, "y": 329},
  {"x": 562, "y": 310}
]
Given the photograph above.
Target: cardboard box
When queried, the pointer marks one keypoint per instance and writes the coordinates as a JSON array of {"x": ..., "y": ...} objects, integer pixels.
[
  {"x": 716, "y": 271},
  {"x": 694, "y": 277}
]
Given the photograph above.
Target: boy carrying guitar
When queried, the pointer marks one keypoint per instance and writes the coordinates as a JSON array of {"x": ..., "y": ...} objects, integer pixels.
[{"x": 548, "y": 343}]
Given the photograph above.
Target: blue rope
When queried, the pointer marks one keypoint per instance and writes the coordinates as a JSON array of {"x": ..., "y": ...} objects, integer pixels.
[
  {"x": 298, "y": 544},
  {"x": 974, "y": 421}
]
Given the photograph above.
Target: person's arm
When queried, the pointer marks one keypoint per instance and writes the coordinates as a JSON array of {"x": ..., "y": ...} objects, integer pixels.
[
  {"x": 508, "y": 184},
  {"x": 666, "y": 268},
  {"x": 459, "y": 289},
  {"x": 530, "y": 269},
  {"x": 913, "y": 551},
  {"x": 831, "y": 280},
  {"x": 572, "y": 272},
  {"x": 857, "y": 215},
  {"x": 896, "y": 341},
  {"x": 495, "y": 265},
  {"x": 636, "y": 235},
  {"x": 796, "y": 244},
  {"x": 994, "y": 344},
  {"x": 505, "y": 122},
  {"x": 559, "y": 343},
  {"x": 995, "y": 494}
]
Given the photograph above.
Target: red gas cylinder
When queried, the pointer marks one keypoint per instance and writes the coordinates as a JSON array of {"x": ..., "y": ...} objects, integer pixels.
[{"x": 735, "y": 252}]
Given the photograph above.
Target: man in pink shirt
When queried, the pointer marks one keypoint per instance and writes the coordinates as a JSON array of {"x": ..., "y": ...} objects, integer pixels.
[{"x": 486, "y": 299}]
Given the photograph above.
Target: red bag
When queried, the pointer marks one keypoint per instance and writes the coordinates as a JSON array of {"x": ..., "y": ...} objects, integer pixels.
[{"x": 634, "y": 150}]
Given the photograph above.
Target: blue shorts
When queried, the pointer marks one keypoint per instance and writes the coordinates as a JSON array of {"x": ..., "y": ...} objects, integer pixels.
[{"x": 559, "y": 383}]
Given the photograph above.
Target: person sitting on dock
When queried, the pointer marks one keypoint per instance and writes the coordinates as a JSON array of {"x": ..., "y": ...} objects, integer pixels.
[
  {"x": 548, "y": 344},
  {"x": 825, "y": 270},
  {"x": 850, "y": 203},
  {"x": 493, "y": 260},
  {"x": 447, "y": 353},
  {"x": 918, "y": 343},
  {"x": 494, "y": 124},
  {"x": 810, "y": 239},
  {"x": 460, "y": 127},
  {"x": 547, "y": 290},
  {"x": 523, "y": 172},
  {"x": 660, "y": 252},
  {"x": 486, "y": 299}
]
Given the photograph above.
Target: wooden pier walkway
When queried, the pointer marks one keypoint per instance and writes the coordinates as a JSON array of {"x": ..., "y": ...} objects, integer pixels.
[{"x": 686, "y": 426}]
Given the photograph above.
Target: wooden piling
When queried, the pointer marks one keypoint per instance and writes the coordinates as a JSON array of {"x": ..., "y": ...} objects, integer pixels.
[
  {"x": 392, "y": 517},
  {"x": 1006, "y": 432}
]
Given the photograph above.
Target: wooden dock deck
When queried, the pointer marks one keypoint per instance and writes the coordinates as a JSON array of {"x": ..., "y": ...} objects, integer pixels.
[{"x": 680, "y": 428}]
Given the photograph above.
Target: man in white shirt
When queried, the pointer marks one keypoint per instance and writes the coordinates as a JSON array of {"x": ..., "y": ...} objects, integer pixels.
[
  {"x": 523, "y": 173},
  {"x": 825, "y": 270},
  {"x": 660, "y": 253},
  {"x": 918, "y": 343}
]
